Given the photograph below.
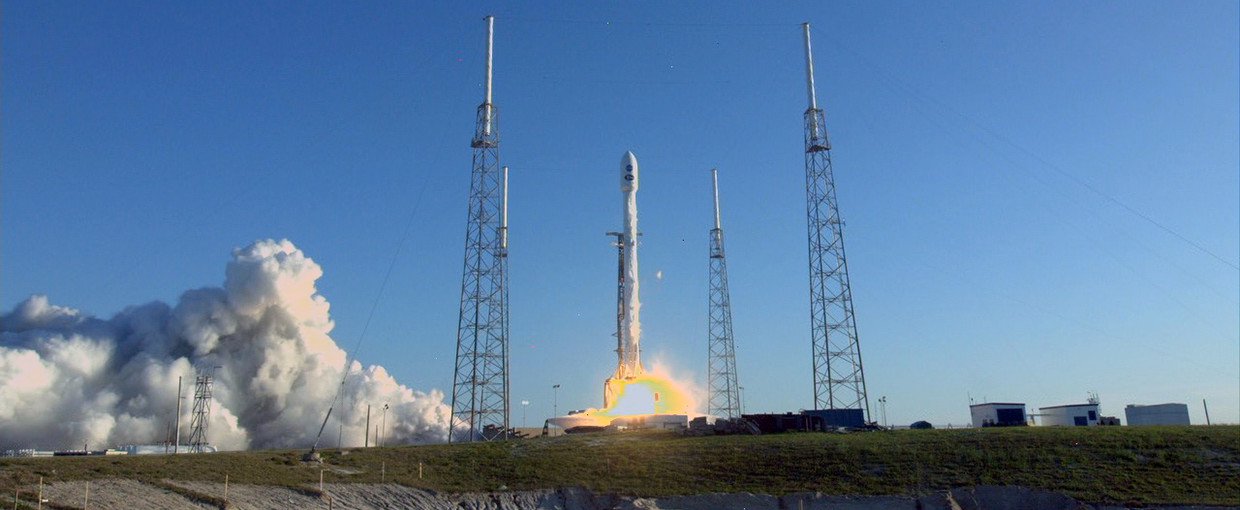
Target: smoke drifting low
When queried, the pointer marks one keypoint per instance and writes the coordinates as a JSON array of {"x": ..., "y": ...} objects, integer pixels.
[{"x": 68, "y": 378}]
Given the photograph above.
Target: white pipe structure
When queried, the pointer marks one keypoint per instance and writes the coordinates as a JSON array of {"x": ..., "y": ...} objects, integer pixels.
[
  {"x": 809, "y": 81},
  {"x": 714, "y": 176},
  {"x": 177, "y": 435},
  {"x": 486, "y": 126},
  {"x": 503, "y": 215}
]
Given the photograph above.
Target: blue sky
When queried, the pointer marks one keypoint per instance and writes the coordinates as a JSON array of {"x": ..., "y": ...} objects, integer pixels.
[{"x": 978, "y": 147}]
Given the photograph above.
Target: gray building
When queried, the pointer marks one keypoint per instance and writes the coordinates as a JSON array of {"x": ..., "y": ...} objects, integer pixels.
[
  {"x": 1157, "y": 414},
  {"x": 998, "y": 414}
]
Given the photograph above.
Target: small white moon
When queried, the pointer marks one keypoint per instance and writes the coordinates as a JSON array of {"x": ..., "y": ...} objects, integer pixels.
[{"x": 658, "y": 275}]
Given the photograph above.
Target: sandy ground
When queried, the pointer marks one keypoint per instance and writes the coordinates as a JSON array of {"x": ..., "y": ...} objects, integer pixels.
[
  {"x": 131, "y": 495},
  {"x": 377, "y": 496},
  {"x": 121, "y": 494}
]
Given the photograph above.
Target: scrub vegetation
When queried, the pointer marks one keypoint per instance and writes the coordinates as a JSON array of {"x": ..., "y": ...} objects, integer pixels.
[{"x": 1133, "y": 465}]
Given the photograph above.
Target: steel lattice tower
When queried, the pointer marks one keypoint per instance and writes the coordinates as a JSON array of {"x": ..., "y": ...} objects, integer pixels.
[
  {"x": 839, "y": 381},
  {"x": 201, "y": 411},
  {"x": 480, "y": 384},
  {"x": 724, "y": 400}
]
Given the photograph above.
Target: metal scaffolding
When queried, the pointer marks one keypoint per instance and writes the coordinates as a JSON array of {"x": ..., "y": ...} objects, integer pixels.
[
  {"x": 619, "y": 244},
  {"x": 724, "y": 399},
  {"x": 480, "y": 384},
  {"x": 839, "y": 381},
  {"x": 201, "y": 417}
]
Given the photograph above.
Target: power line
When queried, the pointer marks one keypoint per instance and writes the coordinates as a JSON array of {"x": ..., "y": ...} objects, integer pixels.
[{"x": 647, "y": 23}]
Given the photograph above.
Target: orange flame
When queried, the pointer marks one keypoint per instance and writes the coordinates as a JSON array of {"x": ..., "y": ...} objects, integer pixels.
[{"x": 648, "y": 393}]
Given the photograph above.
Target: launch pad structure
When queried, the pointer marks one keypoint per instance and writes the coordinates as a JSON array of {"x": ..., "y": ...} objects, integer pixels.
[
  {"x": 202, "y": 410},
  {"x": 839, "y": 380},
  {"x": 724, "y": 400},
  {"x": 480, "y": 394},
  {"x": 480, "y": 407}
]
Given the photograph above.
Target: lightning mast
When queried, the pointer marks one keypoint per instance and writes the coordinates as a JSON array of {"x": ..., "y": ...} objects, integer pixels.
[
  {"x": 839, "y": 381},
  {"x": 480, "y": 384},
  {"x": 724, "y": 400},
  {"x": 202, "y": 410}
]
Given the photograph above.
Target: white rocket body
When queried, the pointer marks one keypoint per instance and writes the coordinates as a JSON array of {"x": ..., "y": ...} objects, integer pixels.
[{"x": 631, "y": 328}]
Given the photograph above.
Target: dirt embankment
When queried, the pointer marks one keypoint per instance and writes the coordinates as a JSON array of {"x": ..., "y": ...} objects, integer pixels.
[{"x": 128, "y": 495}]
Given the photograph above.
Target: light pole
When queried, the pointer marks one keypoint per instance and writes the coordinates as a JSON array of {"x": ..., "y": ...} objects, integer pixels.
[
  {"x": 883, "y": 400},
  {"x": 555, "y": 400},
  {"x": 383, "y": 424},
  {"x": 524, "y": 404}
]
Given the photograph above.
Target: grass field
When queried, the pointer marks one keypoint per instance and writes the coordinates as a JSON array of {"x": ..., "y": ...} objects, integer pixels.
[{"x": 1148, "y": 465}]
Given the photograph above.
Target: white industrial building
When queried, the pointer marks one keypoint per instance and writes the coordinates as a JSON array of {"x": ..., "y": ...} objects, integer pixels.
[
  {"x": 1078, "y": 415},
  {"x": 1157, "y": 414},
  {"x": 998, "y": 414}
]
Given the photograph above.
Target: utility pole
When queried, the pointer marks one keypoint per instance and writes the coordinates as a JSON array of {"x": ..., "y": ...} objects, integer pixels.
[
  {"x": 883, "y": 401},
  {"x": 480, "y": 380},
  {"x": 555, "y": 400},
  {"x": 839, "y": 380},
  {"x": 367, "y": 442},
  {"x": 382, "y": 425},
  {"x": 741, "y": 391},
  {"x": 176, "y": 440}
]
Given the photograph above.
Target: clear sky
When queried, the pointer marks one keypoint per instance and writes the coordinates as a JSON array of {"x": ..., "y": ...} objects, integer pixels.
[{"x": 993, "y": 161}]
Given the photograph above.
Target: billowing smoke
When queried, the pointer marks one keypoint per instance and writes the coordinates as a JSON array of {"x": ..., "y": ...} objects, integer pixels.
[{"x": 68, "y": 379}]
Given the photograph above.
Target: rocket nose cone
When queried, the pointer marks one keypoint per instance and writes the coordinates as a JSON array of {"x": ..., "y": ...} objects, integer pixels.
[{"x": 628, "y": 172}]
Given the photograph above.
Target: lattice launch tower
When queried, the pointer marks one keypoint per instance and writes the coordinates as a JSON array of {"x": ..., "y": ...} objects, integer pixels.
[
  {"x": 724, "y": 400},
  {"x": 839, "y": 381},
  {"x": 480, "y": 405}
]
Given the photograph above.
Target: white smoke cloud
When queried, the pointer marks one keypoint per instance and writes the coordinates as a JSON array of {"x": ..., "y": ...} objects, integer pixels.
[{"x": 68, "y": 379}]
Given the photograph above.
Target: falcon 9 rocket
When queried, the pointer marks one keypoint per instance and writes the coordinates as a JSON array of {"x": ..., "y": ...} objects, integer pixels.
[{"x": 628, "y": 349}]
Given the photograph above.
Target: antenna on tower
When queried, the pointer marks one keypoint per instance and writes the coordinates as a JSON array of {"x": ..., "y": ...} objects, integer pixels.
[
  {"x": 839, "y": 381},
  {"x": 724, "y": 400},
  {"x": 503, "y": 218},
  {"x": 480, "y": 381}
]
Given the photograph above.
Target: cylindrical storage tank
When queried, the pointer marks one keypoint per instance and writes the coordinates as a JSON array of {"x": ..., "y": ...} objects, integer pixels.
[{"x": 1158, "y": 414}]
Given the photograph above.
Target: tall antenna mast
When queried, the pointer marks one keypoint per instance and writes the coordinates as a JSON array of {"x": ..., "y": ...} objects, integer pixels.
[
  {"x": 480, "y": 382},
  {"x": 724, "y": 400},
  {"x": 486, "y": 105},
  {"x": 839, "y": 381}
]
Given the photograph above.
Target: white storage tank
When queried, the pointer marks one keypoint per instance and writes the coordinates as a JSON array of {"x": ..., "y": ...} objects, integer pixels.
[
  {"x": 1071, "y": 415},
  {"x": 1157, "y": 414},
  {"x": 998, "y": 414}
]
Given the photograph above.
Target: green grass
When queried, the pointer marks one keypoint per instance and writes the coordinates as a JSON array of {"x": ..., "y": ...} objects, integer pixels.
[{"x": 1147, "y": 465}]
